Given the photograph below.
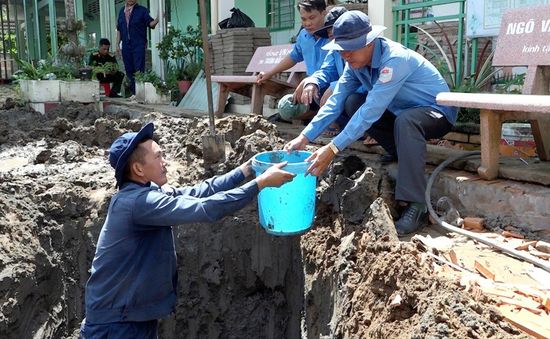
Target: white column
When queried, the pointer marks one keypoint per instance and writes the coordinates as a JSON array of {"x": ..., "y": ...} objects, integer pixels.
[
  {"x": 214, "y": 16},
  {"x": 157, "y": 10},
  {"x": 380, "y": 14},
  {"x": 108, "y": 18}
]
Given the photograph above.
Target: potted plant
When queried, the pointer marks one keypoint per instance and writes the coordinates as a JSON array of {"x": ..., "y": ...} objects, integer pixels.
[
  {"x": 41, "y": 82},
  {"x": 183, "y": 54},
  {"x": 150, "y": 88}
]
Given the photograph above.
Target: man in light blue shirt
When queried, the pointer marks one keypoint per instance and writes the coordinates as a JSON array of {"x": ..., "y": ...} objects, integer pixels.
[
  {"x": 307, "y": 47},
  {"x": 133, "y": 278},
  {"x": 400, "y": 111}
]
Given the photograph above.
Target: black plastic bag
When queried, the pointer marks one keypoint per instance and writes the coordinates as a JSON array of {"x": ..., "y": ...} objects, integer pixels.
[{"x": 237, "y": 19}]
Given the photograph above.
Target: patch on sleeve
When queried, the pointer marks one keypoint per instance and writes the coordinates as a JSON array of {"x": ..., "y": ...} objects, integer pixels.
[{"x": 385, "y": 74}]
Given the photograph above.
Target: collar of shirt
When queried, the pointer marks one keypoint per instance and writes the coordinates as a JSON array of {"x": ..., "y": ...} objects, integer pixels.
[{"x": 377, "y": 53}]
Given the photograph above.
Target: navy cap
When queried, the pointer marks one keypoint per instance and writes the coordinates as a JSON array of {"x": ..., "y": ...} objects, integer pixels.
[
  {"x": 353, "y": 31},
  {"x": 330, "y": 19},
  {"x": 124, "y": 146}
]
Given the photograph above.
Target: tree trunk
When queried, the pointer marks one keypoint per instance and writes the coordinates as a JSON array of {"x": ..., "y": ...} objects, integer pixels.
[{"x": 71, "y": 20}]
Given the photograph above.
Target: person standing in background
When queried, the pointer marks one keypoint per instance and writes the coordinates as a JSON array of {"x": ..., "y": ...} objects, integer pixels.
[{"x": 133, "y": 21}]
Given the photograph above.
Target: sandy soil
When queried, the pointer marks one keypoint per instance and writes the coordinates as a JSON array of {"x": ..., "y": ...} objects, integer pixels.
[{"x": 340, "y": 280}]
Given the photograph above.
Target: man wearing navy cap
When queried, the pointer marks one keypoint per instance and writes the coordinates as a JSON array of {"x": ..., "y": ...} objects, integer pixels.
[
  {"x": 400, "y": 112},
  {"x": 133, "y": 277}
]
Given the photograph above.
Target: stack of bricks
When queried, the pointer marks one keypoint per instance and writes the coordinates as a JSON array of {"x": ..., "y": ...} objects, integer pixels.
[{"x": 232, "y": 50}]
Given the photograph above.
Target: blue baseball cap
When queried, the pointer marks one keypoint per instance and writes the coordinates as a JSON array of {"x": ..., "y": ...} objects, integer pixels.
[
  {"x": 124, "y": 146},
  {"x": 353, "y": 31},
  {"x": 330, "y": 19}
]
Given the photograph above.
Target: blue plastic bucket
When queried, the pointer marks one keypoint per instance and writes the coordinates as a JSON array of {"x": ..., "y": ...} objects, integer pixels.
[{"x": 289, "y": 209}]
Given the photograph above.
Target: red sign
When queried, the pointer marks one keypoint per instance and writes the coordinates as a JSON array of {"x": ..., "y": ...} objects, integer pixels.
[{"x": 524, "y": 37}]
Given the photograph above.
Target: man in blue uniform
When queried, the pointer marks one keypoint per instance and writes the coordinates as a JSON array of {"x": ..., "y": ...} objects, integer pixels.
[
  {"x": 307, "y": 47},
  {"x": 400, "y": 111},
  {"x": 133, "y": 21},
  {"x": 133, "y": 278}
]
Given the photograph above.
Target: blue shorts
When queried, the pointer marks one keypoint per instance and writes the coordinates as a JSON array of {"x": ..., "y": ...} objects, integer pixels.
[{"x": 120, "y": 330}]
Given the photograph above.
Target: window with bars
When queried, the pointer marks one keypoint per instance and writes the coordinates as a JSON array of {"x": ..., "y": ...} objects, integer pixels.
[{"x": 280, "y": 14}]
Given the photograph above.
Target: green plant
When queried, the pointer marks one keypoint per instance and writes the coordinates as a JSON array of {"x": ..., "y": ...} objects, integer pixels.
[
  {"x": 477, "y": 82},
  {"x": 106, "y": 68},
  {"x": 183, "y": 51},
  {"x": 153, "y": 78},
  {"x": 44, "y": 70},
  {"x": 509, "y": 83},
  {"x": 191, "y": 70}
]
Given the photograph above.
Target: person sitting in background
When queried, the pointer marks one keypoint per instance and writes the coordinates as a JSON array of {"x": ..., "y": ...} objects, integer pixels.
[
  {"x": 102, "y": 57},
  {"x": 307, "y": 49}
]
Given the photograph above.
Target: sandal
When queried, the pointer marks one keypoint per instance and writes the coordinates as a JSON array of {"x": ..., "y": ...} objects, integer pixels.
[
  {"x": 331, "y": 131},
  {"x": 369, "y": 141}
]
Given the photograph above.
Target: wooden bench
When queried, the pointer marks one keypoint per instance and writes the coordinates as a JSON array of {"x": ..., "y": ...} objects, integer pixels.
[
  {"x": 494, "y": 110},
  {"x": 264, "y": 59},
  {"x": 522, "y": 41}
]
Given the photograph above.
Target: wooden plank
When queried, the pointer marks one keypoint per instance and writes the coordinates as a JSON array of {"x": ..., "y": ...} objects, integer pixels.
[
  {"x": 471, "y": 223},
  {"x": 452, "y": 256},
  {"x": 528, "y": 304},
  {"x": 484, "y": 271},
  {"x": 526, "y": 245},
  {"x": 509, "y": 234},
  {"x": 524, "y": 320}
]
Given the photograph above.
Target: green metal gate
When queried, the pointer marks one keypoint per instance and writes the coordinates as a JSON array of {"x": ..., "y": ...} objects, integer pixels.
[{"x": 408, "y": 15}]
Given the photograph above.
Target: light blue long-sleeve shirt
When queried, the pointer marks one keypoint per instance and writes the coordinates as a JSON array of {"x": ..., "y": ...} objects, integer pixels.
[
  {"x": 134, "y": 276},
  {"x": 308, "y": 49},
  {"x": 329, "y": 72},
  {"x": 398, "y": 79}
]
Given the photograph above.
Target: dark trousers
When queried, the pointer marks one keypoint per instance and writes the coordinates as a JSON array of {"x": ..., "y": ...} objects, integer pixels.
[
  {"x": 115, "y": 78},
  {"x": 405, "y": 137},
  {"x": 120, "y": 330},
  {"x": 134, "y": 61}
]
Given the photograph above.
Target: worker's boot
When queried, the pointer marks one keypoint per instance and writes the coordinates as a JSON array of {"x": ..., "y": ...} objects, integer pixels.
[{"x": 412, "y": 218}]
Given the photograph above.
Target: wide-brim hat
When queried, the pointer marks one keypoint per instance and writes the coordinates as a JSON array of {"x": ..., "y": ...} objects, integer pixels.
[
  {"x": 124, "y": 146},
  {"x": 352, "y": 31},
  {"x": 330, "y": 19}
]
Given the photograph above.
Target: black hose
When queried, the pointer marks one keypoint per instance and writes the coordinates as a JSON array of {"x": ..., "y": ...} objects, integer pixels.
[{"x": 427, "y": 196}]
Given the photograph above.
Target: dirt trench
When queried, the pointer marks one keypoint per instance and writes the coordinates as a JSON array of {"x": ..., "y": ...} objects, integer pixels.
[{"x": 235, "y": 281}]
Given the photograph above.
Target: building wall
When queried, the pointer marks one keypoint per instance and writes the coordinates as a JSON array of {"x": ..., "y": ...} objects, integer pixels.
[{"x": 184, "y": 13}]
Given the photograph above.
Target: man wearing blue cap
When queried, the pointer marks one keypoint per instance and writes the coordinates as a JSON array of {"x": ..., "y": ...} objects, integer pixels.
[
  {"x": 133, "y": 277},
  {"x": 324, "y": 80},
  {"x": 400, "y": 112}
]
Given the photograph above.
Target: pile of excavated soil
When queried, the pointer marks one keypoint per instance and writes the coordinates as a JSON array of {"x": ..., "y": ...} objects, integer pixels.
[{"x": 339, "y": 280}]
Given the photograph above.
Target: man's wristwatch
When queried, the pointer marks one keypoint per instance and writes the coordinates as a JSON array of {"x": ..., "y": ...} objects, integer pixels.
[{"x": 333, "y": 147}]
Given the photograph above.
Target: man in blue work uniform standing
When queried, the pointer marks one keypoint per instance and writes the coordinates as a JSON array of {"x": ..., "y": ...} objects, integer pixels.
[
  {"x": 400, "y": 111},
  {"x": 133, "y": 21},
  {"x": 133, "y": 278},
  {"x": 307, "y": 47}
]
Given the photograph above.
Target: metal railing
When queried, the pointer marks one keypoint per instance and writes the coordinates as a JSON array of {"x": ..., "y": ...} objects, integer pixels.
[{"x": 408, "y": 14}]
